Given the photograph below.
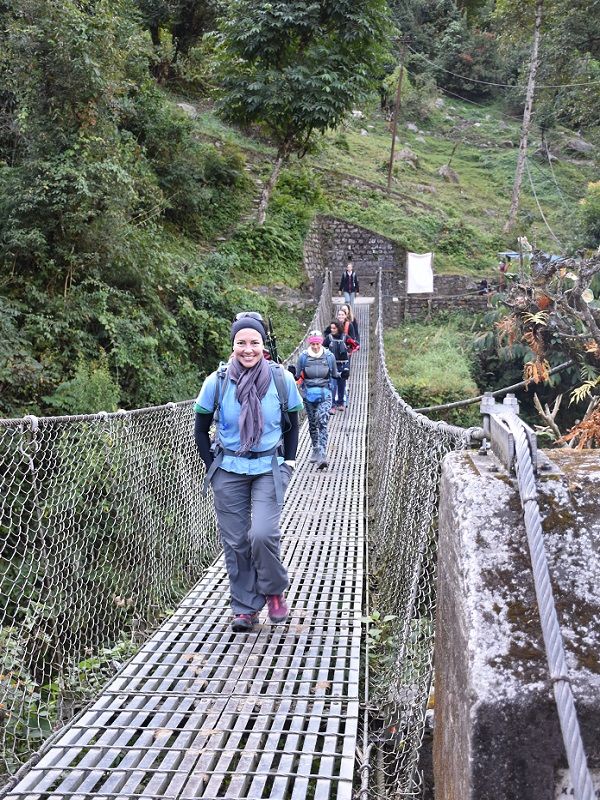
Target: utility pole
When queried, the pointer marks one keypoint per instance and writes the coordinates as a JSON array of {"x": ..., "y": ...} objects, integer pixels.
[
  {"x": 514, "y": 204},
  {"x": 404, "y": 41}
]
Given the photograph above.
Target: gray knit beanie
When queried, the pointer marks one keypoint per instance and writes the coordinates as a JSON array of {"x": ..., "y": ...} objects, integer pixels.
[{"x": 248, "y": 322}]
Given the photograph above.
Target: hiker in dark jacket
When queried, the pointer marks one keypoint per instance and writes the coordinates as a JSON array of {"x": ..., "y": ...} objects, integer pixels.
[
  {"x": 340, "y": 345},
  {"x": 349, "y": 284}
]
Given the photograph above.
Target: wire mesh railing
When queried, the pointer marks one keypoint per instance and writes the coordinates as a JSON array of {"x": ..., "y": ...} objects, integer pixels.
[
  {"x": 406, "y": 452},
  {"x": 103, "y": 530}
]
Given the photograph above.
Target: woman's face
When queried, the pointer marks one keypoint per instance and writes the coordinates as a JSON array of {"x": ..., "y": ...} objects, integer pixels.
[
  {"x": 314, "y": 347},
  {"x": 248, "y": 347},
  {"x": 342, "y": 316},
  {"x": 334, "y": 329}
]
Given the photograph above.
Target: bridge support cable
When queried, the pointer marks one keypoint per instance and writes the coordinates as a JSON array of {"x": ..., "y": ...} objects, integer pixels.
[{"x": 406, "y": 452}]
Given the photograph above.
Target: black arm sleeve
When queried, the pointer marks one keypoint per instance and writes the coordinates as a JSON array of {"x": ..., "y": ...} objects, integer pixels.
[
  {"x": 290, "y": 437},
  {"x": 201, "y": 428}
]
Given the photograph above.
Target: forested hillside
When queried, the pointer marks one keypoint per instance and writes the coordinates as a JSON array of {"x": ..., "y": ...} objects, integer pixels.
[{"x": 161, "y": 161}]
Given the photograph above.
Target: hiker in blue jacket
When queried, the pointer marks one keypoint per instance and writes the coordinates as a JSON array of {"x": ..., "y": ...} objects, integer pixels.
[
  {"x": 255, "y": 404},
  {"x": 316, "y": 373}
]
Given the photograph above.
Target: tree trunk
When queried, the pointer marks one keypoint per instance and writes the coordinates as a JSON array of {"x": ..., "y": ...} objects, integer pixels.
[
  {"x": 514, "y": 205},
  {"x": 270, "y": 185}
]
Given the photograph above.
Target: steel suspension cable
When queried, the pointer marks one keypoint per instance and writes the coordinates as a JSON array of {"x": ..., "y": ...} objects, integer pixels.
[{"x": 497, "y": 393}]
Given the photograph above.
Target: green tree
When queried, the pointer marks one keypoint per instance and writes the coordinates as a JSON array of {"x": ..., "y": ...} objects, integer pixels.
[
  {"x": 535, "y": 8},
  {"x": 95, "y": 164},
  {"x": 569, "y": 56},
  {"x": 297, "y": 68},
  {"x": 451, "y": 42}
]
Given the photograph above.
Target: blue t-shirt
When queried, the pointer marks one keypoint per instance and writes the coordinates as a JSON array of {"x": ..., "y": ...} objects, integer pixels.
[{"x": 229, "y": 415}]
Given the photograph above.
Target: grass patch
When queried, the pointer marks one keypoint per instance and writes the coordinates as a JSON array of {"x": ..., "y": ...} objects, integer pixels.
[
  {"x": 462, "y": 223},
  {"x": 429, "y": 364}
]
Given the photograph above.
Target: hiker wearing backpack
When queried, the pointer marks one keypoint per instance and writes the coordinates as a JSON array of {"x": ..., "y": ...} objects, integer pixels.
[
  {"x": 254, "y": 403},
  {"x": 341, "y": 346},
  {"x": 348, "y": 322},
  {"x": 316, "y": 374}
]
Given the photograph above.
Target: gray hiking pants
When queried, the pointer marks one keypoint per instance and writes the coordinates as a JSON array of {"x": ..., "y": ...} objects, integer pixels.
[{"x": 248, "y": 523}]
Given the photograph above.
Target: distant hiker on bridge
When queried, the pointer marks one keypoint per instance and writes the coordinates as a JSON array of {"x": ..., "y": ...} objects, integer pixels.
[
  {"x": 341, "y": 346},
  {"x": 254, "y": 403},
  {"x": 317, "y": 374},
  {"x": 345, "y": 316},
  {"x": 349, "y": 284}
]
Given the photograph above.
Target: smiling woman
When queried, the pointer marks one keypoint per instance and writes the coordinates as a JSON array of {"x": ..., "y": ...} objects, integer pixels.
[
  {"x": 248, "y": 347},
  {"x": 249, "y": 467}
]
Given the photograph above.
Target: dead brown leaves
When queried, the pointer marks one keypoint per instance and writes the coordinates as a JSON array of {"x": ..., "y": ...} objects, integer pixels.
[{"x": 586, "y": 433}]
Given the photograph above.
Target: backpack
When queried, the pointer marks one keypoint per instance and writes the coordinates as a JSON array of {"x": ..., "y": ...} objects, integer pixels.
[
  {"x": 302, "y": 363},
  {"x": 338, "y": 348},
  {"x": 276, "y": 374}
]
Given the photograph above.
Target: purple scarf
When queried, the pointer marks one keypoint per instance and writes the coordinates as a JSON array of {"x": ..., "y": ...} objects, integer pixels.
[{"x": 252, "y": 386}]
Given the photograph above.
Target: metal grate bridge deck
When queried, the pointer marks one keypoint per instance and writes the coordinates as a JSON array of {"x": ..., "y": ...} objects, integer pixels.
[{"x": 201, "y": 712}]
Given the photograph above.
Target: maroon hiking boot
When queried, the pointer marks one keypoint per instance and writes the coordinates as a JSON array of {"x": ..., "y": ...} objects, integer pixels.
[
  {"x": 244, "y": 623},
  {"x": 278, "y": 608}
]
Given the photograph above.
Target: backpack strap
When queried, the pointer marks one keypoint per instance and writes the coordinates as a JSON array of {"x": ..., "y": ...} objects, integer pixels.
[
  {"x": 219, "y": 389},
  {"x": 279, "y": 378},
  {"x": 217, "y": 448},
  {"x": 301, "y": 364}
]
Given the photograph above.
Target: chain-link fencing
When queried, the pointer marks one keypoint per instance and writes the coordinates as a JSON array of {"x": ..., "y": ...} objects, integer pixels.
[
  {"x": 406, "y": 452},
  {"x": 103, "y": 530}
]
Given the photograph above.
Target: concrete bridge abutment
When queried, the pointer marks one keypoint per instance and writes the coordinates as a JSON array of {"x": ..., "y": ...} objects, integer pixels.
[{"x": 497, "y": 734}]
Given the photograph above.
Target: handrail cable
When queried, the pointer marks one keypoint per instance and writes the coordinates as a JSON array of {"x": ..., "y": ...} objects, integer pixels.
[
  {"x": 537, "y": 202},
  {"x": 497, "y": 393},
  {"x": 501, "y": 85}
]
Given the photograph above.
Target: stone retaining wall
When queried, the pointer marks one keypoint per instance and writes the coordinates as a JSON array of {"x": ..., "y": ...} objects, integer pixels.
[{"x": 329, "y": 244}]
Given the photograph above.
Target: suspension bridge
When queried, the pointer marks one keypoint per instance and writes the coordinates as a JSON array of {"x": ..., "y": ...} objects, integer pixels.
[
  {"x": 200, "y": 711},
  {"x": 119, "y": 674}
]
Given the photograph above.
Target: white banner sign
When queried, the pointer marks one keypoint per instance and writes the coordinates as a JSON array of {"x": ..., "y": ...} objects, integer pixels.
[{"x": 419, "y": 269}]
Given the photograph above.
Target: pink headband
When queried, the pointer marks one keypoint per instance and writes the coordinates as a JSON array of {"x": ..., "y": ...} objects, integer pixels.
[{"x": 315, "y": 340}]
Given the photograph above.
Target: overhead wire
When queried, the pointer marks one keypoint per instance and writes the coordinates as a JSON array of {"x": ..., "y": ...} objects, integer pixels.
[
  {"x": 501, "y": 85},
  {"x": 546, "y": 223}
]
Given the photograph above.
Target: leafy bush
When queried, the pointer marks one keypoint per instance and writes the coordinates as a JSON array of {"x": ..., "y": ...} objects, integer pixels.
[
  {"x": 272, "y": 253},
  {"x": 590, "y": 214},
  {"x": 267, "y": 253},
  {"x": 418, "y": 94},
  {"x": 91, "y": 389}
]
